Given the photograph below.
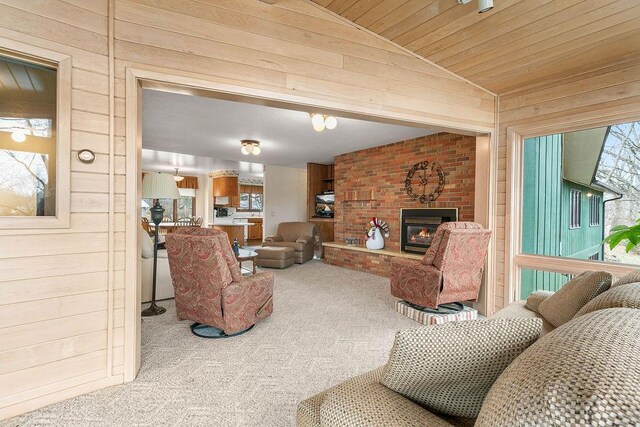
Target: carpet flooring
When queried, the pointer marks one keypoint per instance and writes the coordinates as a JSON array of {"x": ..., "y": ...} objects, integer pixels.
[{"x": 328, "y": 324}]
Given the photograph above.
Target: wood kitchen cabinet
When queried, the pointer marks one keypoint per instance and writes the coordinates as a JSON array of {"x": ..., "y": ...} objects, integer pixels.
[
  {"x": 226, "y": 186},
  {"x": 233, "y": 231},
  {"x": 255, "y": 231}
]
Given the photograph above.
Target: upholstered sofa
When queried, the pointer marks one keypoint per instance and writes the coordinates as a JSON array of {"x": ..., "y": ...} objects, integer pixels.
[
  {"x": 583, "y": 369},
  {"x": 300, "y": 236},
  {"x": 164, "y": 287}
]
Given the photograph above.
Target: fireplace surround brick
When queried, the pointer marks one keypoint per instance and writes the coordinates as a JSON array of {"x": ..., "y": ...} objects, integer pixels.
[{"x": 381, "y": 172}]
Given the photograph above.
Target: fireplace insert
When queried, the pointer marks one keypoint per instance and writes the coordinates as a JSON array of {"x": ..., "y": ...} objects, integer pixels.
[{"x": 418, "y": 226}]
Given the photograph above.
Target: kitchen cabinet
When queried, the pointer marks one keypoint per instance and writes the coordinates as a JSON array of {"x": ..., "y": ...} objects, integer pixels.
[
  {"x": 255, "y": 231},
  {"x": 233, "y": 232},
  {"x": 226, "y": 186}
]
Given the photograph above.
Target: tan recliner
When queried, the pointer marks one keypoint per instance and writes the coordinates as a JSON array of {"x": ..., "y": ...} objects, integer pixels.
[{"x": 300, "y": 236}]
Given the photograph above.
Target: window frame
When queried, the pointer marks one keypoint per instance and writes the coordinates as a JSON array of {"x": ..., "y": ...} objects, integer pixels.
[
  {"x": 62, "y": 64},
  {"x": 175, "y": 207},
  {"x": 575, "y": 209},
  {"x": 594, "y": 210},
  {"x": 514, "y": 259},
  {"x": 251, "y": 208}
]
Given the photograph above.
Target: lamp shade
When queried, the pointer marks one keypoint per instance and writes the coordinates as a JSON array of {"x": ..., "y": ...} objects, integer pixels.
[{"x": 159, "y": 186}]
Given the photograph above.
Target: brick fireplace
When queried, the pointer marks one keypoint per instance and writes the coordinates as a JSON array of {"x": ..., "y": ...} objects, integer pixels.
[{"x": 370, "y": 183}]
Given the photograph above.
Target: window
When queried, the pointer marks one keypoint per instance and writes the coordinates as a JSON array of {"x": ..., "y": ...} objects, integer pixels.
[
  {"x": 585, "y": 177},
  {"x": 594, "y": 210},
  {"x": 575, "y": 205},
  {"x": 34, "y": 141},
  {"x": 251, "y": 198},
  {"x": 184, "y": 207}
]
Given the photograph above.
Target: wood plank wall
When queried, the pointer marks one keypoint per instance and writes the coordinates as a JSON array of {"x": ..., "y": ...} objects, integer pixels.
[
  {"x": 61, "y": 322},
  {"x": 605, "y": 96},
  {"x": 54, "y": 284}
]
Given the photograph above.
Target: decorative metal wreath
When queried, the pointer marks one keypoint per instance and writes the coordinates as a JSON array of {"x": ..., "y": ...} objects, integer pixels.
[{"x": 424, "y": 172}]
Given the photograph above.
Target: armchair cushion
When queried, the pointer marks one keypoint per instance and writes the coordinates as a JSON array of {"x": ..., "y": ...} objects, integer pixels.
[
  {"x": 560, "y": 307},
  {"x": 450, "y": 368},
  {"x": 273, "y": 238},
  {"x": 298, "y": 247},
  {"x": 536, "y": 298},
  {"x": 199, "y": 273}
]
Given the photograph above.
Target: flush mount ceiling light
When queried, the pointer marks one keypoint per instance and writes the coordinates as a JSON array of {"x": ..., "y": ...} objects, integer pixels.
[
  {"x": 250, "y": 146},
  {"x": 321, "y": 122},
  {"x": 483, "y": 5},
  {"x": 177, "y": 177},
  {"x": 18, "y": 135}
]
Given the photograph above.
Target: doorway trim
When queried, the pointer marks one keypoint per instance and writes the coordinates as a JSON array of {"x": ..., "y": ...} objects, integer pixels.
[{"x": 186, "y": 83}]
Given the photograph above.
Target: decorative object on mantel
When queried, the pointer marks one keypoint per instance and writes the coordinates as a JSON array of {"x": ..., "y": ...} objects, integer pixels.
[
  {"x": 422, "y": 172},
  {"x": 351, "y": 241},
  {"x": 375, "y": 237}
]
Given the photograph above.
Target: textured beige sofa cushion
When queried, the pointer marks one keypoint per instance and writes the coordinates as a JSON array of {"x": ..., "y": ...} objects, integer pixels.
[
  {"x": 560, "y": 307},
  {"x": 586, "y": 372},
  {"x": 627, "y": 296},
  {"x": 363, "y": 401},
  {"x": 518, "y": 309},
  {"x": 535, "y": 299},
  {"x": 632, "y": 277},
  {"x": 450, "y": 368}
]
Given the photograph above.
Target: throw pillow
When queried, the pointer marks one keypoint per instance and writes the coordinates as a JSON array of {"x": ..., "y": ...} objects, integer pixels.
[
  {"x": 621, "y": 296},
  {"x": 534, "y": 300},
  {"x": 450, "y": 368},
  {"x": 632, "y": 277},
  {"x": 560, "y": 307},
  {"x": 146, "y": 244},
  {"x": 585, "y": 373}
]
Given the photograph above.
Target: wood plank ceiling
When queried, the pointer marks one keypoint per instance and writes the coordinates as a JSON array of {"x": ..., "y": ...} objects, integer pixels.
[{"x": 518, "y": 44}]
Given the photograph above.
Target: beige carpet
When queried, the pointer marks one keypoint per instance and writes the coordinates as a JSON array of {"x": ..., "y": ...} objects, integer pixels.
[{"x": 328, "y": 324}]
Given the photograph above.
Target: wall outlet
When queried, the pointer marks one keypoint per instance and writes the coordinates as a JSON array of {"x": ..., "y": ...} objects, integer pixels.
[{"x": 273, "y": 213}]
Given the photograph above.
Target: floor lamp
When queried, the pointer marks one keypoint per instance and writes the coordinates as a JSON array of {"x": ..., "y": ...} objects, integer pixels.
[{"x": 157, "y": 186}]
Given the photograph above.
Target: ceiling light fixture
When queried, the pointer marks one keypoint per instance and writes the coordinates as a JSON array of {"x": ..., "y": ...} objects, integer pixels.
[
  {"x": 483, "y": 5},
  {"x": 177, "y": 177},
  {"x": 18, "y": 135},
  {"x": 321, "y": 122},
  {"x": 250, "y": 146}
]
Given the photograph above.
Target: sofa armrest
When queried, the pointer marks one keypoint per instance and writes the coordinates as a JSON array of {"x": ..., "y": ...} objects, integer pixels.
[
  {"x": 274, "y": 238},
  {"x": 534, "y": 300},
  {"x": 304, "y": 239}
]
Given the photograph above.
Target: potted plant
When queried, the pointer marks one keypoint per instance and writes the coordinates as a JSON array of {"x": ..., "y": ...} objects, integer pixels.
[{"x": 624, "y": 233}]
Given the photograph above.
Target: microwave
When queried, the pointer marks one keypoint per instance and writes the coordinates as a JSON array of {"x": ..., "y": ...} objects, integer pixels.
[{"x": 324, "y": 205}]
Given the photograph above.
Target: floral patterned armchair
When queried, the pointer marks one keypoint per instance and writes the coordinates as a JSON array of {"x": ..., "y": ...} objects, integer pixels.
[
  {"x": 209, "y": 287},
  {"x": 451, "y": 270}
]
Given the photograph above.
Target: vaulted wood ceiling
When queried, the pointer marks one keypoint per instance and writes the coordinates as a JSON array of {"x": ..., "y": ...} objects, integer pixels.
[{"x": 519, "y": 43}]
